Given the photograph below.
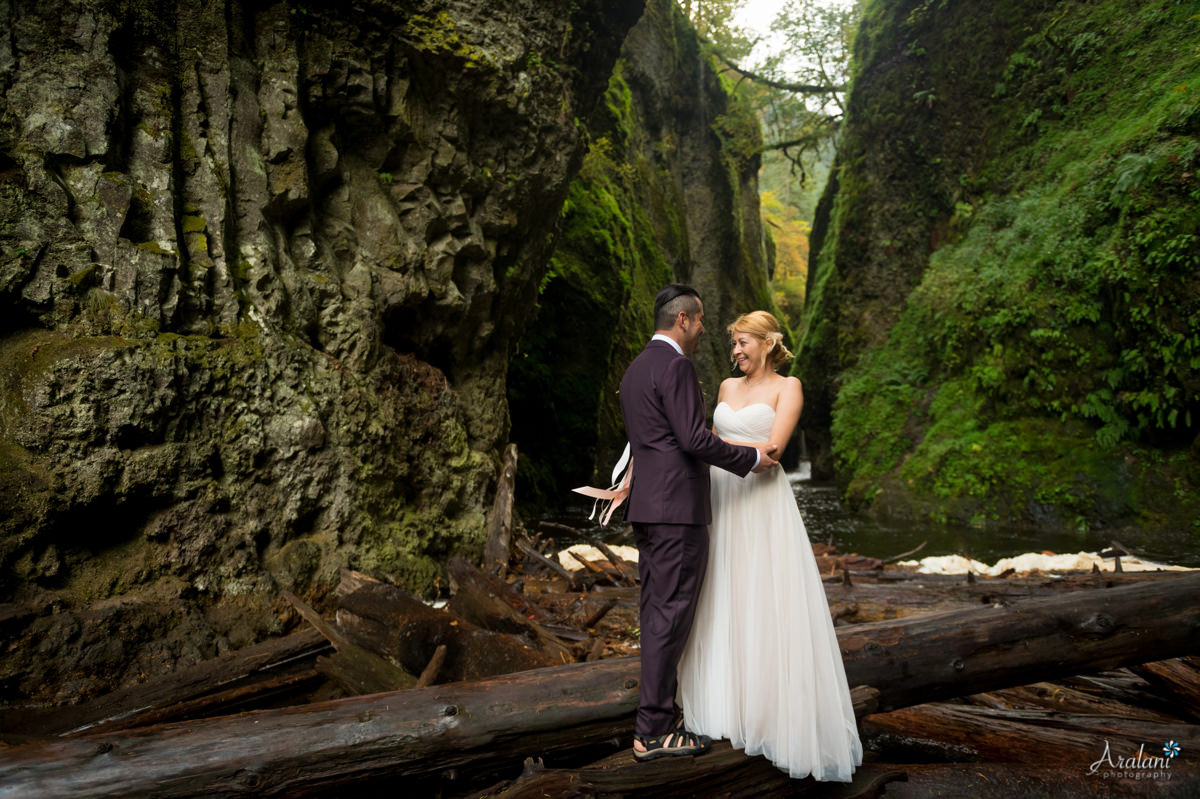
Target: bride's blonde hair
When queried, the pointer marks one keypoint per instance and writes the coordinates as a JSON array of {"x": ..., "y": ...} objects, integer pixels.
[{"x": 764, "y": 327}]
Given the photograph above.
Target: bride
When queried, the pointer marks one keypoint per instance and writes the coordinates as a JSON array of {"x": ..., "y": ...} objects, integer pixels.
[{"x": 762, "y": 665}]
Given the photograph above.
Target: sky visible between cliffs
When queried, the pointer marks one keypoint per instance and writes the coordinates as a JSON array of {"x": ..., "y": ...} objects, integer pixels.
[{"x": 757, "y": 16}]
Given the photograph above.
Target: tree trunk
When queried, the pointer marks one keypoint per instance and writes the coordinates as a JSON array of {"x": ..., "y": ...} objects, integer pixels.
[
  {"x": 498, "y": 549},
  {"x": 1063, "y": 699},
  {"x": 415, "y": 734},
  {"x": 944, "y": 655}
]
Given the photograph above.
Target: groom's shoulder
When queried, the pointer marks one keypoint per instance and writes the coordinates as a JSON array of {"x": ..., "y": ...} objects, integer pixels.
[{"x": 650, "y": 360}]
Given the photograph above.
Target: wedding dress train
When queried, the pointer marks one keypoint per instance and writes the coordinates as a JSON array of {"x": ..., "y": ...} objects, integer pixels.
[{"x": 762, "y": 666}]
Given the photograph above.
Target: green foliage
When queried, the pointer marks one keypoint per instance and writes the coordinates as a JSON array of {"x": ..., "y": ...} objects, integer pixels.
[
  {"x": 1054, "y": 338},
  {"x": 789, "y": 233}
]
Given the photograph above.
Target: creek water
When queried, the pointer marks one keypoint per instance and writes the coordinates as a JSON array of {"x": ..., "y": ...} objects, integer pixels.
[{"x": 828, "y": 521}]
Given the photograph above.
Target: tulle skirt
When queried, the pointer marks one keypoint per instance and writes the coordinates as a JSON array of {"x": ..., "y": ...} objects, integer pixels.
[{"x": 762, "y": 666}]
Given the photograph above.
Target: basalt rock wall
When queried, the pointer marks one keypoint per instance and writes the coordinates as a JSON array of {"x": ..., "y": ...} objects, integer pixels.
[{"x": 262, "y": 267}]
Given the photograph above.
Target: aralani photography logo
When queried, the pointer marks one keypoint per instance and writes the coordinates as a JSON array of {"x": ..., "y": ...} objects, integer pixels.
[{"x": 1137, "y": 766}]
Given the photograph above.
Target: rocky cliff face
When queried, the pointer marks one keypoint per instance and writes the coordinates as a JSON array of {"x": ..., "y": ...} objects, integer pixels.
[
  {"x": 1003, "y": 323},
  {"x": 261, "y": 271},
  {"x": 668, "y": 192}
]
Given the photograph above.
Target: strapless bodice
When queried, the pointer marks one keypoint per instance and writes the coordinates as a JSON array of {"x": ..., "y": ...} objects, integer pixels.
[{"x": 751, "y": 423}]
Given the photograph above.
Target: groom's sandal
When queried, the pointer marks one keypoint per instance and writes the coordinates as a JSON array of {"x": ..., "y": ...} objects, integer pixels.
[{"x": 675, "y": 742}]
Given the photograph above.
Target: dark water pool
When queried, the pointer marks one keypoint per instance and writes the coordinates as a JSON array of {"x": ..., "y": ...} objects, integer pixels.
[{"x": 827, "y": 521}]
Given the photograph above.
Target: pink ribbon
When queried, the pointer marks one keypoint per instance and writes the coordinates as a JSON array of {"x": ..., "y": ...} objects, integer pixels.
[{"x": 614, "y": 495}]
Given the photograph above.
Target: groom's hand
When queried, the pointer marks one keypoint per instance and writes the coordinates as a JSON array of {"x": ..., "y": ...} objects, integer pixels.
[{"x": 765, "y": 458}]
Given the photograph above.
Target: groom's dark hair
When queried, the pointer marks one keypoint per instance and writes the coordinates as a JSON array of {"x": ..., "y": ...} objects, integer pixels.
[{"x": 671, "y": 300}]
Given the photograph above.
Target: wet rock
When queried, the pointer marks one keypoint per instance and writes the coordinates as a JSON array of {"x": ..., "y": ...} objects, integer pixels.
[{"x": 254, "y": 326}]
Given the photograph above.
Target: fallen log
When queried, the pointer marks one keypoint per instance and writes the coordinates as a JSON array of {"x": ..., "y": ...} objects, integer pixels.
[
  {"x": 355, "y": 669},
  {"x": 724, "y": 772},
  {"x": 218, "y": 684},
  {"x": 1006, "y": 780},
  {"x": 480, "y": 601},
  {"x": 955, "y": 732},
  {"x": 420, "y": 733},
  {"x": 388, "y": 620},
  {"x": 944, "y": 655},
  {"x": 1064, "y": 699},
  {"x": 296, "y": 751},
  {"x": 890, "y": 595},
  {"x": 1179, "y": 678},
  {"x": 1037, "y": 740}
]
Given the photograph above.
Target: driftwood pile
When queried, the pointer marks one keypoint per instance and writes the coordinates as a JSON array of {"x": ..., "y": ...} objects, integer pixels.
[{"x": 525, "y": 684}]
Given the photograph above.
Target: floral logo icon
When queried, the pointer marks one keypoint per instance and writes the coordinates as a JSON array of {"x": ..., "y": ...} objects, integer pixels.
[{"x": 1170, "y": 749}]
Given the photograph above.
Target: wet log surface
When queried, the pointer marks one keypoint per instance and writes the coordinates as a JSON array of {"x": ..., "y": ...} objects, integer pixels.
[
  {"x": 880, "y": 595},
  {"x": 1178, "y": 678},
  {"x": 1009, "y": 780},
  {"x": 223, "y": 684},
  {"x": 482, "y": 727},
  {"x": 948, "y": 731},
  {"x": 420, "y": 733},
  {"x": 944, "y": 655}
]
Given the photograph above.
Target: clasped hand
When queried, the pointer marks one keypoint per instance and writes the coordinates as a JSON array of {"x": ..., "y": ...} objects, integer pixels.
[{"x": 765, "y": 459}]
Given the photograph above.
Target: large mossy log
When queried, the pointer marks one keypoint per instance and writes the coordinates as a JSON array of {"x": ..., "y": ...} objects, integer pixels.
[
  {"x": 213, "y": 686},
  {"x": 474, "y": 725}
]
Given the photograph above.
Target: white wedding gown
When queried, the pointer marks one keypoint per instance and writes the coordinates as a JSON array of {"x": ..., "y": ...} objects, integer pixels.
[{"x": 762, "y": 666}]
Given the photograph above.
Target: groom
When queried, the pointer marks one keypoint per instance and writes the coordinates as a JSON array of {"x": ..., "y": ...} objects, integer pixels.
[{"x": 669, "y": 507}]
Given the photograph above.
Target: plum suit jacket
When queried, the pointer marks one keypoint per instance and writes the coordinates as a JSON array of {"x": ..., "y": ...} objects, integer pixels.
[{"x": 669, "y": 440}]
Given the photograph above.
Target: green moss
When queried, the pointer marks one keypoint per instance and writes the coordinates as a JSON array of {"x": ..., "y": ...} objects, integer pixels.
[
  {"x": 438, "y": 34},
  {"x": 154, "y": 247},
  {"x": 1049, "y": 340},
  {"x": 619, "y": 101},
  {"x": 624, "y": 233}
]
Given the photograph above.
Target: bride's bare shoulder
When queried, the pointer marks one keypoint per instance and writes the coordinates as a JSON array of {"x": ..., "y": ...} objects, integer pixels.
[
  {"x": 791, "y": 385},
  {"x": 727, "y": 384}
]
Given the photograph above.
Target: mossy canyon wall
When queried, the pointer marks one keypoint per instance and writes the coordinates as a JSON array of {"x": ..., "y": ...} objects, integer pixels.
[
  {"x": 262, "y": 268},
  {"x": 668, "y": 192},
  {"x": 1003, "y": 321}
]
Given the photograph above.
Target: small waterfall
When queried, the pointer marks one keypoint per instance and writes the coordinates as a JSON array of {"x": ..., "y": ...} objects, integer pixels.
[{"x": 803, "y": 470}]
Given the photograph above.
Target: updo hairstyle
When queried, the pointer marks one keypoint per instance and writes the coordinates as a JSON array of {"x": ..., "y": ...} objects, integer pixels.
[{"x": 764, "y": 327}]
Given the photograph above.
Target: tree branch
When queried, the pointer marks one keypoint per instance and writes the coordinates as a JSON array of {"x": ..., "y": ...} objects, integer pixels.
[
  {"x": 807, "y": 140},
  {"x": 799, "y": 88}
]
